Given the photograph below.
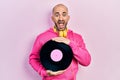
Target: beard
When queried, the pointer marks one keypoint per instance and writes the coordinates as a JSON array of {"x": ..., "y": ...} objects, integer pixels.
[{"x": 61, "y": 25}]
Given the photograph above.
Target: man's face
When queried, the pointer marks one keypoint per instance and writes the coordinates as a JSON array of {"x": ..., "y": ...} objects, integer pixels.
[{"x": 60, "y": 17}]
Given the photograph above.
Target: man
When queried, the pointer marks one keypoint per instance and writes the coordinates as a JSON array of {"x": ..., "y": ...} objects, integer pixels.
[{"x": 60, "y": 33}]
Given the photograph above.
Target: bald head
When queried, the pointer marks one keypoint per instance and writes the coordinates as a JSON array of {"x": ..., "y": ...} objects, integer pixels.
[
  {"x": 59, "y": 5},
  {"x": 60, "y": 16}
]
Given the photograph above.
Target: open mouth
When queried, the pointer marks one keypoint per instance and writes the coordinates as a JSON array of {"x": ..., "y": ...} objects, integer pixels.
[{"x": 61, "y": 24}]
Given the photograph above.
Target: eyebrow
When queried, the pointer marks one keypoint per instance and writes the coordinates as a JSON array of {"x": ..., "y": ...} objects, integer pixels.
[
  {"x": 58, "y": 12},
  {"x": 64, "y": 12}
]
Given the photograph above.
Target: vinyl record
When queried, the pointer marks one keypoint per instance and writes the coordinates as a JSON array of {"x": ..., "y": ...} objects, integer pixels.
[{"x": 55, "y": 55}]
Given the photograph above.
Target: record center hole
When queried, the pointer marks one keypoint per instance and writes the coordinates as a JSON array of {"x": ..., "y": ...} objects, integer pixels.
[{"x": 56, "y": 55}]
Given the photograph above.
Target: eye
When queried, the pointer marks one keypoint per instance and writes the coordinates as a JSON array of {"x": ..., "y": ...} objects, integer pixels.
[
  {"x": 56, "y": 14},
  {"x": 64, "y": 14}
]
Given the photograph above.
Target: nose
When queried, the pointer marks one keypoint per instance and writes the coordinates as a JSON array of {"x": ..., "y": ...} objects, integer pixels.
[{"x": 60, "y": 17}]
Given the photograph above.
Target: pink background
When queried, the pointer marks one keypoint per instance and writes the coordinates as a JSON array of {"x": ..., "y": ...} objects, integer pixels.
[{"x": 97, "y": 20}]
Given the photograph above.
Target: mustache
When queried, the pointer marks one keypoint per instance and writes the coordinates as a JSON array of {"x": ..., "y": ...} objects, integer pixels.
[{"x": 61, "y": 22}]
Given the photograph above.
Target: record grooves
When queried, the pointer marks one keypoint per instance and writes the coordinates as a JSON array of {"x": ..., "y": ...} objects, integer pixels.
[{"x": 63, "y": 51}]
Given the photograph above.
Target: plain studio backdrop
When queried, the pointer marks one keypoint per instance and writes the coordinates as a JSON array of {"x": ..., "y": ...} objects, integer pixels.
[{"x": 98, "y": 21}]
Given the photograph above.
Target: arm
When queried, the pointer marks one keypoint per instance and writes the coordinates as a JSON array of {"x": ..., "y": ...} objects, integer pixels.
[
  {"x": 78, "y": 47},
  {"x": 79, "y": 50},
  {"x": 34, "y": 58}
]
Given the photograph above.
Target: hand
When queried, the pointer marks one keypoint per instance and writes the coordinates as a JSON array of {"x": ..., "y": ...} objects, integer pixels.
[
  {"x": 54, "y": 73},
  {"x": 61, "y": 39}
]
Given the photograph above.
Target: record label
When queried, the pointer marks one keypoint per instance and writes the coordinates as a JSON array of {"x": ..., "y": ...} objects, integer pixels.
[{"x": 56, "y": 55}]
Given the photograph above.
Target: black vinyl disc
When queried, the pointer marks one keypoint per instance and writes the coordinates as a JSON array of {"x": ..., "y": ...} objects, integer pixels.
[{"x": 65, "y": 57}]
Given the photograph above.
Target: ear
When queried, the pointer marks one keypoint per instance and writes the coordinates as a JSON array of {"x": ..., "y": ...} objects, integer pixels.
[
  {"x": 52, "y": 18},
  {"x": 68, "y": 17}
]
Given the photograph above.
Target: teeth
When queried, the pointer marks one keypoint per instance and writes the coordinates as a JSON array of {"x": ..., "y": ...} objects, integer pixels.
[{"x": 61, "y": 24}]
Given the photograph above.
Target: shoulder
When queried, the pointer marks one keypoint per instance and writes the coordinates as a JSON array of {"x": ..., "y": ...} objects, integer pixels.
[
  {"x": 45, "y": 33},
  {"x": 75, "y": 34}
]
